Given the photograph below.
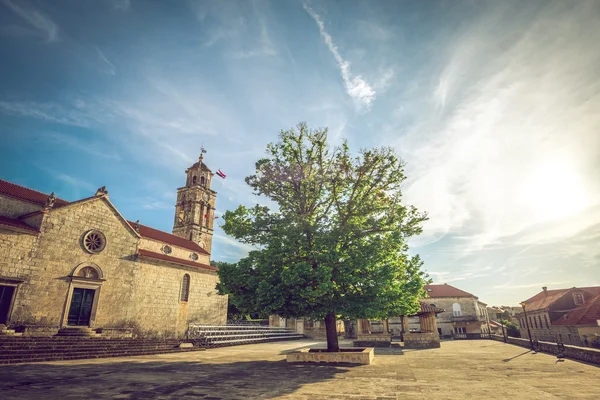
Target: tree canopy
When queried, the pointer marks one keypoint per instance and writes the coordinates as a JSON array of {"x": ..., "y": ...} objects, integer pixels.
[{"x": 336, "y": 246}]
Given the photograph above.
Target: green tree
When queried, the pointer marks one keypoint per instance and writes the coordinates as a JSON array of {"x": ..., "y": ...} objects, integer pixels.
[
  {"x": 512, "y": 329},
  {"x": 336, "y": 247}
]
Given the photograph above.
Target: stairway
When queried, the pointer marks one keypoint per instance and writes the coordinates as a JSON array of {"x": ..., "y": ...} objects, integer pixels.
[
  {"x": 230, "y": 335},
  {"x": 14, "y": 349}
]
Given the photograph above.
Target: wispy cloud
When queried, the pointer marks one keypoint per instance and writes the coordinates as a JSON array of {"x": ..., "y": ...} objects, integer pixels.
[
  {"x": 50, "y": 112},
  {"x": 120, "y": 5},
  {"x": 356, "y": 86},
  {"x": 109, "y": 67},
  {"x": 500, "y": 147},
  {"x": 75, "y": 182},
  {"x": 36, "y": 19},
  {"x": 92, "y": 148},
  {"x": 265, "y": 47}
]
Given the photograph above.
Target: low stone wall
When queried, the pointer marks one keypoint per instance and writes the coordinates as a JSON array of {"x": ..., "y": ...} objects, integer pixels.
[
  {"x": 373, "y": 340},
  {"x": 573, "y": 352},
  {"x": 345, "y": 355},
  {"x": 421, "y": 340},
  {"x": 37, "y": 330}
]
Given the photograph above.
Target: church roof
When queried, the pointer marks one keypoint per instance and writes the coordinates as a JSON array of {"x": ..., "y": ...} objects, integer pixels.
[
  {"x": 22, "y": 193},
  {"x": 161, "y": 236},
  {"x": 445, "y": 290}
]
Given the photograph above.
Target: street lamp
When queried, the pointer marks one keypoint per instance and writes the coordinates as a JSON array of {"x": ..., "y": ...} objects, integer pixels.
[
  {"x": 499, "y": 317},
  {"x": 527, "y": 324}
]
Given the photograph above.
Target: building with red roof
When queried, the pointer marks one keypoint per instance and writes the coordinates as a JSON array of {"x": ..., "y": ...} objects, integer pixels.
[
  {"x": 465, "y": 313},
  {"x": 571, "y": 316},
  {"x": 82, "y": 264}
]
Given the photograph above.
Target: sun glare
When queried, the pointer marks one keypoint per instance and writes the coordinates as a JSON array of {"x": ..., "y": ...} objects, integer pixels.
[{"x": 553, "y": 189}]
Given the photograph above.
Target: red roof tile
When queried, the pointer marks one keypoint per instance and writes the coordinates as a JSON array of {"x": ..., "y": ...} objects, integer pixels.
[
  {"x": 23, "y": 193},
  {"x": 175, "y": 260},
  {"x": 445, "y": 290},
  {"x": 151, "y": 233},
  {"x": 546, "y": 299},
  {"x": 587, "y": 313},
  {"x": 16, "y": 223}
]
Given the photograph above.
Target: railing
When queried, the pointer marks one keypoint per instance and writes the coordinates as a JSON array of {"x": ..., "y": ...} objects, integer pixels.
[
  {"x": 257, "y": 322},
  {"x": 471, "y": 336},
  {"x": 465, "y": 318}
]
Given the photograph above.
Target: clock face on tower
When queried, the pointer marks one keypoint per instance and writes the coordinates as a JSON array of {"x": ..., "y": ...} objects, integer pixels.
[{"x": 205, "y": 196}]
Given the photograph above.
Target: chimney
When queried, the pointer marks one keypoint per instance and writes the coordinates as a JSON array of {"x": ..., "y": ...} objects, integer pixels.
[{"x": 545, "y": 289}]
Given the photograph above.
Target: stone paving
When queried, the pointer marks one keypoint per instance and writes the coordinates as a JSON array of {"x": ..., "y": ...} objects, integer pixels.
[{"x": 481, "y": 369}]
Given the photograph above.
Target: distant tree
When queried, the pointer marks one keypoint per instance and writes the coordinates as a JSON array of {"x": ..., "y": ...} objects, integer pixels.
[
  {"x": 336, "y": 247},
  {"x": 233, "y": 313},
  {"x": 512, "y": 329}
]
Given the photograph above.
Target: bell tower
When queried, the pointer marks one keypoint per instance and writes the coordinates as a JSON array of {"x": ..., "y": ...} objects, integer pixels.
[{"x": 195, "y": 207}]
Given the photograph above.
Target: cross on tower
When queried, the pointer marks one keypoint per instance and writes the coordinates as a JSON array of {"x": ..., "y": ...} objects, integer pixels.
[{"x": 202, "y": 151}]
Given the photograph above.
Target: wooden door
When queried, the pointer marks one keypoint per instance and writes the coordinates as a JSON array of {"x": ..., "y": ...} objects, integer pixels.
[
  {"x": 6, "y": 295},
  {"x": 81, "y": 307}
]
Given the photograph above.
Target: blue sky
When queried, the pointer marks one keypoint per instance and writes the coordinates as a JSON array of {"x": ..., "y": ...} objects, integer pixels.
[{"x": 494, "y": 106}]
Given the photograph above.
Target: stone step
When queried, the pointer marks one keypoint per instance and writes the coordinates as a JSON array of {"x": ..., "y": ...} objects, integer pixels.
[
  {"x": 242, "y": 336},
  {"x": 59, "y": 357},
  {"x": 84, "y": 345},
  {"x": 35, "y": 353},
  {"x": 87, "y": 345},
  {"x": 226, "y": 327},
  {"x": 80, "y": 348},
  {"x": 249, "y": 341}
]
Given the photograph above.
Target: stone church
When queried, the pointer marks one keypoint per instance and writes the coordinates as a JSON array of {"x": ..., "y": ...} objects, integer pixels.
[{"x": 82, "y": 264}]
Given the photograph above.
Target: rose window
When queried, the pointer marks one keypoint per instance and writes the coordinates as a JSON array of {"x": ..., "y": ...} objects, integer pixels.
[
  {"x": 167, "y": 249},
  {"x": 94, "y": 241},
  {"x": 194, "y": 257}
]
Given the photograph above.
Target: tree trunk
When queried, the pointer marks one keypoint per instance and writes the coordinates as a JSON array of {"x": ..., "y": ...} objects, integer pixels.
[{"x": 331, "y": 329}]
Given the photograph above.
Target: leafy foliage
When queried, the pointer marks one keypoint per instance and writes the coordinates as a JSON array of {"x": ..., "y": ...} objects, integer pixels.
[
  {"x": 512, "y": 329},
  {"x": 337, "y": 242}
]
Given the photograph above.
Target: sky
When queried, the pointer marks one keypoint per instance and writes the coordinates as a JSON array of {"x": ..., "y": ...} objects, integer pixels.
[{"x": 494, "y": 106}]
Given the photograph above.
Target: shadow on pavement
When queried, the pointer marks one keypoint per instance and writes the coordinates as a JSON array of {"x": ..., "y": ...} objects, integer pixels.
[
  {"x": 518, "y": 355},
  {"x": 164, "y": 379}
]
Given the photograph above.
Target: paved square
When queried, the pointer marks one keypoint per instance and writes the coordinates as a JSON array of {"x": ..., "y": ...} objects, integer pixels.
[{"x": 460, "y": 369}]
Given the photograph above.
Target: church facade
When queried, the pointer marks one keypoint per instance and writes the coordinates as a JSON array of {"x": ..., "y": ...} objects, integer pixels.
[{"x": 82, "y": 264}]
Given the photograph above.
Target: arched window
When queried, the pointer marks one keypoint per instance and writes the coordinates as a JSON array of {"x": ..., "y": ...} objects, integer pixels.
[
  {"x": 456, "y": 310},
  {"x": 185, "y": 288},
  {"x": 202, "y": 181},
  {"x": 194, "y": 180}
]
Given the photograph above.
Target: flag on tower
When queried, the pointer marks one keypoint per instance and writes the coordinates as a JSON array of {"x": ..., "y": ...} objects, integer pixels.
[{"x": 221, "y": 174}]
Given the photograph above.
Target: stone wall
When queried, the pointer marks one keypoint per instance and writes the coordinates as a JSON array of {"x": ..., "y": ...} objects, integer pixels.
[
  {"x": 14, "y": 208},
  {"x": 573, "y": 352},
  {"x": 176, "y": 251},
  {"x": 373, "y": 340},
  {"x": 159, "y": 311},
  {"x": 423, "y": 340}
]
